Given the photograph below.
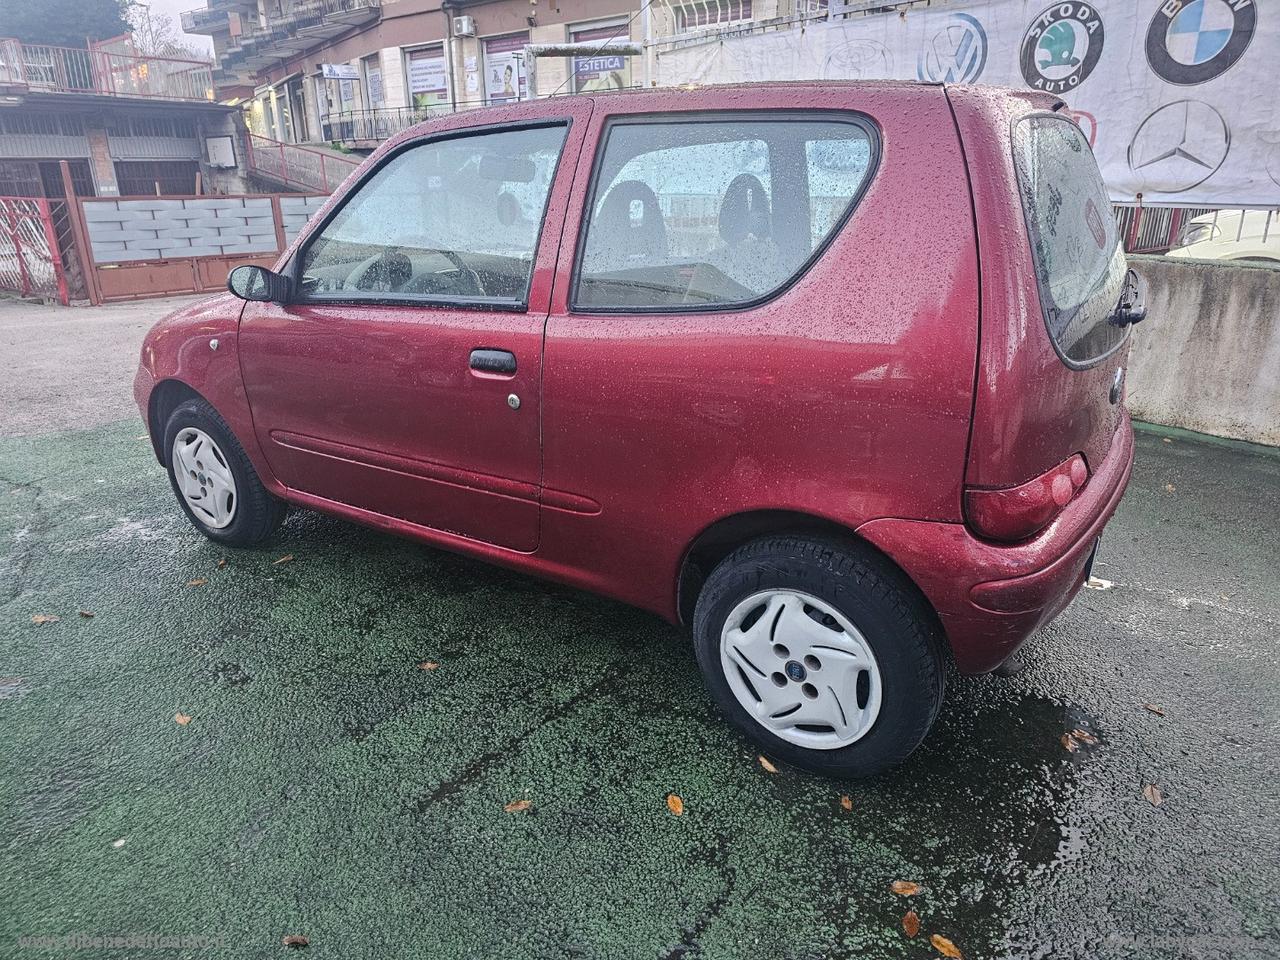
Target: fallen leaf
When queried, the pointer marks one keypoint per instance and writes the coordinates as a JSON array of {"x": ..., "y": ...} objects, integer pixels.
[
  {"x": 1069, "y": 743},
  {"x": 675, "y": 804},
  {"x": 1169, "y": 488},
  {"x": 197, "y": 582},
  {"x": 87, "y": 614},
  {"x": 910, "y": 923},
  {"x": 1166, "y": 439},
  {"x": 518, "y": 806},
  {"x": 288, "y": 557},
  {"x": 768, "y": 767},
  {"x": 1153, "y": 794},
  {"x": 222, "y": 562},
  {"x": 1154, "y": 709},
  {"x": 428, "y": 665},
  {"x": 40, "y": 619},
  {"x": 845, "y": 803},
  {"x": 1084, "y": 736},
  {"x": 904, "y": 888},
  {"x": 119, "y": 843},
  {"x": 181, "y": 719},
  {"x": 946, "y": 947},
  {"x": 297, "y": 941}
]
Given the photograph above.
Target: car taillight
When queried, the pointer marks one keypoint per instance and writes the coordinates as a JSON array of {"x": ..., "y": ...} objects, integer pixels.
[{"x": 1015, "y": 513}]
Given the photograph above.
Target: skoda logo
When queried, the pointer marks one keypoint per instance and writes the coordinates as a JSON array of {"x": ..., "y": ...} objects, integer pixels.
[
  {"x": 1061, "y": 47},
  {"x": 1179, "y": 146},
  {"x": 1193, "y": 41},
  {"x": 956, "y": 54}
]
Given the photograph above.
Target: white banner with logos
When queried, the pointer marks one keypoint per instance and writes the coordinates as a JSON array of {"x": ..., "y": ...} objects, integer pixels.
[{"x": 1178, "y": 97}]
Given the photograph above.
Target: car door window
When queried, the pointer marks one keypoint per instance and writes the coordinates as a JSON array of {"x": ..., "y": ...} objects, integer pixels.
[
  {"x": 449, "y": 220},
  {"x": 706, "y": 213}
]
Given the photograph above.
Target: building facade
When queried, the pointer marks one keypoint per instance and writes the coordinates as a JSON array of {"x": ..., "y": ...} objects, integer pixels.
[
  {"x": 126, "y": 124},
  {"x": 358, "y": 71}
]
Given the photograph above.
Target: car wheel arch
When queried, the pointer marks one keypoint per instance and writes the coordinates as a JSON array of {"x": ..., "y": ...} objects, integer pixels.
[
  {"x": 166, "y": 397},
  {"x": 727, "y": 534}
]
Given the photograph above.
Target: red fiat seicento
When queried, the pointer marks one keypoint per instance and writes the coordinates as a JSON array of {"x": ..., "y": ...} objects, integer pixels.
[{"x": 831, "y": 373}]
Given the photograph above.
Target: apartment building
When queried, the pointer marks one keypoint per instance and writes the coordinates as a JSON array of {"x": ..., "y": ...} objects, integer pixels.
[
  {"x": 126, "y": 124},
  {"x": 358, "y": 71}
]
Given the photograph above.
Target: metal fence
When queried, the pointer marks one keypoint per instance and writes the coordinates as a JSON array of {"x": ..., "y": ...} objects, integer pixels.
[
  {"x": 30, "y": 259},
  {"x": 297, "y": 166},
  {"x": 48, "y": 69}
]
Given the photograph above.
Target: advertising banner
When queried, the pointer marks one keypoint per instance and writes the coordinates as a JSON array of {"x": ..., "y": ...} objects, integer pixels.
[
  {"x": 504, "y": 68},
  {"x": 1176, "y": 96},
  {"x": 606, "y": 70},
  {"x": 428, "y": 78}
]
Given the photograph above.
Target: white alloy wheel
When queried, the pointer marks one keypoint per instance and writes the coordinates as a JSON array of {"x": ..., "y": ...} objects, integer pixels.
[
  {"x": 203, "y": 476},
  {"x": 801, "y": 669}
]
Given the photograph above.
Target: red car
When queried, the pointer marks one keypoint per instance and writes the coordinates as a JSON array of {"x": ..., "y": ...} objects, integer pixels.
[{"x": 831, "y": 373}]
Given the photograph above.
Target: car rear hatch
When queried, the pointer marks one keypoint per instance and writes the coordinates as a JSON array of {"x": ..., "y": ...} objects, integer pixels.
[{"x": 1049, "y": 385}]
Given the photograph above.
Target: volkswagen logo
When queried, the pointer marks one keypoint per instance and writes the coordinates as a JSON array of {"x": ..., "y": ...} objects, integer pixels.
[
  {"x": 1193, "y": 41},
  {"x": 1061, "y": 47},
  {"x": 956, "y": 54},
  {"x": 1179, "y": 146}
]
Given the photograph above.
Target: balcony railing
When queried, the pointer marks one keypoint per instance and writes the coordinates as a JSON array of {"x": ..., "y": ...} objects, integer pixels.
[
  {"x": 46, "y": 69},
  {"x": 300, "y": 168}
]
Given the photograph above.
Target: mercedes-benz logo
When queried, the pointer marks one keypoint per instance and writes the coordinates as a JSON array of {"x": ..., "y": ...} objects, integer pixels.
[
  {"x": 1179, "y": 146},
  {"x": 956, "y": 54}
]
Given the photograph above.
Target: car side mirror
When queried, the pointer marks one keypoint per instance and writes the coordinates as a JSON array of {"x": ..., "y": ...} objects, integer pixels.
[{"x": 252, "y": 282}]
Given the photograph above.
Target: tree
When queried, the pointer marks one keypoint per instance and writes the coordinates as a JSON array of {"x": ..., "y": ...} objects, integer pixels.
[
  {"x": 156, "y": 35},
  {"x": 65, "y": 23}
]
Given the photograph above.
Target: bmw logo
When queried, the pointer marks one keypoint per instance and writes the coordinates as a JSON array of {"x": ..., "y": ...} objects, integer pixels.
[
  {"x": 1193, "y": 41},
  {"x": 1061, "y": 47}
]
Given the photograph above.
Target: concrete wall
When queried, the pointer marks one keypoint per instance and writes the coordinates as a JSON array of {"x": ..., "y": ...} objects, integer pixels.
[{"x": 1207, "y": 357}]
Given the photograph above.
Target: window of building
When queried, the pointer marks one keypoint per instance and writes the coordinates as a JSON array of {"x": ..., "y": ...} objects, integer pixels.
[
  {"x": 504, "y": 78},
  {"x": 691, "y": 14},
  {"x": 605, "y": 70},
  {"x": 696, "y": 214},
  {"x": 142, "y": 178},
  {"x": 428, "y": 78},
  {"x": 450, "y": 220}
]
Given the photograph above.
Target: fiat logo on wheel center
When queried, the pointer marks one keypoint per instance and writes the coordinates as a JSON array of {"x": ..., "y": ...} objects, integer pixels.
[{"x": 1061, "y": 47}]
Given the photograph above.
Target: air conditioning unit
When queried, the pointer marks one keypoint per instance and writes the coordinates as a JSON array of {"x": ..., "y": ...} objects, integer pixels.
[{"x": 464, "y": 26}]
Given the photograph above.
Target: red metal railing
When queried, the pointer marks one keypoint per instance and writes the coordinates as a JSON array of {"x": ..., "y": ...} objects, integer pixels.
[
  {"x": 49, "y": 69},
  {"x": 293, "y": 165},
  {"x": 30, "y": 261}
]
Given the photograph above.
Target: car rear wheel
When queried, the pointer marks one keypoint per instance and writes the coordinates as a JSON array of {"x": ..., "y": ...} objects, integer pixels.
[
  {"x": 214, "y": 481},
  {"x": 822, "y": 652}
]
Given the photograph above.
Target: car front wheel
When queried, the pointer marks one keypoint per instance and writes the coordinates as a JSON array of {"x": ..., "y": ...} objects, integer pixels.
[
  {"x": 822, "y": 652},
  {"x": 213, "y": 479}
]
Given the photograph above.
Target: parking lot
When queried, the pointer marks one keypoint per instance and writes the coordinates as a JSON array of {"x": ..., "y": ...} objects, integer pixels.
[{"x": 328, "y": 737}]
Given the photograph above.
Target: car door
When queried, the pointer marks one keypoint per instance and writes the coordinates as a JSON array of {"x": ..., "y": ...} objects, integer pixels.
[{"x": 404, "y": 380}]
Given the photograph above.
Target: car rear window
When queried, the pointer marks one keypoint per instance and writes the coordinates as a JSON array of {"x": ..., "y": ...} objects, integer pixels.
[
  {"x": 707, "y": 212},
  {"x": 1080, "y": 265}
]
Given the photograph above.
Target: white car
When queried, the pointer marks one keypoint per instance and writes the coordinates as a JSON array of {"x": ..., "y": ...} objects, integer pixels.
[{"x": 1231, "y": 235}]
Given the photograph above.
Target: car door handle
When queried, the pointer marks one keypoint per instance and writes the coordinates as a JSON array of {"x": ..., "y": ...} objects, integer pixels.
[{"x": 487, "y": 360}]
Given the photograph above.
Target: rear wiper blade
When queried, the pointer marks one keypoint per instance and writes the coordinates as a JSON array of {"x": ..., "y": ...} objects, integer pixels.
[{"x": 1132, "y": 305}]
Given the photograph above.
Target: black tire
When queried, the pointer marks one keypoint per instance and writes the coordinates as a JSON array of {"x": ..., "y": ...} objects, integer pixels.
[
  {"x": 257, "y": 513},
  {"x": 885, "y": 607}
]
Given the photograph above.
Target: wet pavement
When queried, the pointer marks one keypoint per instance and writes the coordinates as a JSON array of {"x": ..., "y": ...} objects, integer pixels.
[{"x": 326, "y": 785}]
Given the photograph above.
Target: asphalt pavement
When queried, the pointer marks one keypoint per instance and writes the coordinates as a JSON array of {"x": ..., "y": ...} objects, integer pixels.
[{"x": 320, "y": 738}]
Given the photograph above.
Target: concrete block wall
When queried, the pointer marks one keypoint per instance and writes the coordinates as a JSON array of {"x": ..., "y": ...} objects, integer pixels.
[
  {"x": 1207, "y": 358},
  {"x": 128, "y": 230},
  {"x": 296, "y": 211}
]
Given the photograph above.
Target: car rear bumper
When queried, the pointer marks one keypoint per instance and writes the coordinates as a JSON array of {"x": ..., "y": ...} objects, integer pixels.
[{"x": 991, "y": 597}]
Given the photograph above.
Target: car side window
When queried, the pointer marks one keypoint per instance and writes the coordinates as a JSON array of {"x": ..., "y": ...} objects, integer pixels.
[
  {"x": 454, "y": 219},
  {"x": 703, "y": 213}
]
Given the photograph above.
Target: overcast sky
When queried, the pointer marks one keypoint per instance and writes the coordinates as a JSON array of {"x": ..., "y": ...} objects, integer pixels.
[{"x": 171, "y": 9}]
